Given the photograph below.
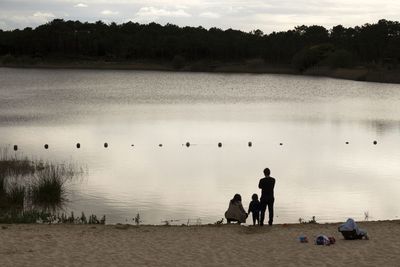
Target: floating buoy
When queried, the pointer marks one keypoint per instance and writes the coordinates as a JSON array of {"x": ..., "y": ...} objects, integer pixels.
[
  {"x": 281, "y": 144},
  {"x": 375, "y": 142},
  {"x": 46, "y": 146},
  {"x": 132, "y": 145},
  {"x": 347, "y": 142},
  {"x": 187, "y": 144},
  {"x": 78, "y": 145},
  {"x": 15, "y": 147},
  {"x": 160, "y": 145},
  {"x": 219, "y": 144},
  {"x": 105, "y": 145},
  {"x": 249, "y": 144}
]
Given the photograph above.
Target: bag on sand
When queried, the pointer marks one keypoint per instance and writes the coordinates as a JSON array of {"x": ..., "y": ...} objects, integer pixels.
[
  {"x": 350, "y": 230},
  {"x": 324, "y": 240}
]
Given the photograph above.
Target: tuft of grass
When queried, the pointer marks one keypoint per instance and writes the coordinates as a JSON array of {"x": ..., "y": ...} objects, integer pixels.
[
  {"x": 2, "y": 187},
  {"x": 93, "y": 219},
  {"x": 12, "y": 194},
  {"x": 15, "y": 196},
  {"x": 83, "y": 218},
  {"x": 219, "y": 222},
  {"x": 31, "y": 216},
  {"x": 366, "y": 215},
  {"x": 48, "y": 188},
  {"x": 137, "y": 219},
  {"x": 32, "y": 191},
  {"x": 36, "y": 216},
  {"x": 26, "y": 181},
  {"x": 313, "y": 220},
  {"x": 12, "y": 165},
  {"x": 166, "y": 223}
]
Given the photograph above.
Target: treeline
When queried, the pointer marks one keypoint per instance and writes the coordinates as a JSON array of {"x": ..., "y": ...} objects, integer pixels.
[{"x": 303, "y": 47}]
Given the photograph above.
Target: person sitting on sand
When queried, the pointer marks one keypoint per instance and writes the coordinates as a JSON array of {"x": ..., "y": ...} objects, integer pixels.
[
  {"x": 236, "y": 212},
  {"x": 254, "y": 208}
]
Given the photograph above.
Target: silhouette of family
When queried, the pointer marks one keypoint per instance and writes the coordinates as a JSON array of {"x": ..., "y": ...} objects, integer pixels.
[{"x": 257, "y": 208}]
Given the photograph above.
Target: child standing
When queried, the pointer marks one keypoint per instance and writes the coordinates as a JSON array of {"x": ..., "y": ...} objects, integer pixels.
[{"x": 254, "y": 208}]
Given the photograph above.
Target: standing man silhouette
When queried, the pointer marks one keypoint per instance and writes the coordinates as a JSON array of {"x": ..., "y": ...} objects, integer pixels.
[{"x": 267, "y": 185}]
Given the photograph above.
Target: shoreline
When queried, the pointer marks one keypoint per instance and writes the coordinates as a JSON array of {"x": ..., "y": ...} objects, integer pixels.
[
  {"x": 355, "y": 74},
  {"x": 205, "y": 245}
]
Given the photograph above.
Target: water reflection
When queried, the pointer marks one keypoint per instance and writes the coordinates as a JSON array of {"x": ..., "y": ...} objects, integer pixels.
[
  {"x": 317, "y": 173},
  {"x": 383, "y": 127}
]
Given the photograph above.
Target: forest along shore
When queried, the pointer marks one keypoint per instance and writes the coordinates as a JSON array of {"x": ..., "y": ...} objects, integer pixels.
[
  {"x": 355, "y": 74},
  {"x": 366, "y": 53},
  {"x": 209, "y": 245}
]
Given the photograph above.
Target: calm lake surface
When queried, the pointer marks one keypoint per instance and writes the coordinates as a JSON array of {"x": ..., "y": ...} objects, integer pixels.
[{"x": 317, "y": 173}]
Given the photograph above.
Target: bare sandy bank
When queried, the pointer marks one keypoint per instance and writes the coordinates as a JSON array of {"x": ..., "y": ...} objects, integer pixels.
[{"x": 225, "y": 245}]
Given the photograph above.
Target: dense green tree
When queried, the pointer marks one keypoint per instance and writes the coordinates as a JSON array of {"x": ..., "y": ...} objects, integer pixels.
[
  {"x": 303, "y": 46},
  {"x": 340, "y": 59},
  {"x": 311, "y": 56}
]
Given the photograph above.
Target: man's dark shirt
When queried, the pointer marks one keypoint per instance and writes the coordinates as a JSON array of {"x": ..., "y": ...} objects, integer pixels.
[{"x": 267, "y": 185}]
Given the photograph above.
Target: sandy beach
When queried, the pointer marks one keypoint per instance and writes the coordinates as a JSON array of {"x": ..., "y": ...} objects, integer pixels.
[{"x": 211, "y": 245}]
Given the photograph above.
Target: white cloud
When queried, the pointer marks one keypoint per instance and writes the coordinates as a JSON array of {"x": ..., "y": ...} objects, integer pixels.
[
  {"x": 267, "y": 15},
  {"x": 43, "y": 15},
  {"x": 80, "y": 5},
  {"x": 180, "y": 6},
  {"x": 153, "y": 13},
  {"x": 7, "y": 21},
  {"x": 210, "y": 15},
  {"x": 3, "y": 25},
  {"x": 109, "y": 12},
  {"x": 235, "y": 9}
]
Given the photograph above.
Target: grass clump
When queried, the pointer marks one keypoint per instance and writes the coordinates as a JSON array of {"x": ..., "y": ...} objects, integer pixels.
[
  {"x": 15, "y": 196},
  {"x": 11, "y": 196},
  {"x": 312, "y": 221},
  {"x": 28, "y": 216},
  {"x": 32, "y": 190},
  {"x": 11, "y": 165},
  {"x": 137, "y": 219},
  {"x": 32, "y": 182},
  {"x": 37, "y": 216},
  {"x": 48, "y": 189}
]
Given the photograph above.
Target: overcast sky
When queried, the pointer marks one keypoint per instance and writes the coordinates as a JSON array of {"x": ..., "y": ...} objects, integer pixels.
[{"x": 267, "y": 15}]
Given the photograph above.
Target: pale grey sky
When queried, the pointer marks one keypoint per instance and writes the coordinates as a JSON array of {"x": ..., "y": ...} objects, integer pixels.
[{"x": 267, "y": 15}]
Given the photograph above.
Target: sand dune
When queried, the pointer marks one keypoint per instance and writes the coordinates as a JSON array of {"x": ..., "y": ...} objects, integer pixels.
[{"x": 77, "y": 245}]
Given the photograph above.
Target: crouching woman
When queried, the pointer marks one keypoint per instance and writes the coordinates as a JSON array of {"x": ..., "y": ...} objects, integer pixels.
[{"x": 236, "y": 212}]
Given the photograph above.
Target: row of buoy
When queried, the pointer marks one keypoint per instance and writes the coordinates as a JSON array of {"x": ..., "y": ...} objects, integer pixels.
[{"x": 187, "y": 144}]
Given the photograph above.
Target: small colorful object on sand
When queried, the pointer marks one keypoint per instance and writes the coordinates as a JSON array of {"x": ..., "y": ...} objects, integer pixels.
[
  {"x": 303, "y": 239},
  {"x": 324, "y": 240}
]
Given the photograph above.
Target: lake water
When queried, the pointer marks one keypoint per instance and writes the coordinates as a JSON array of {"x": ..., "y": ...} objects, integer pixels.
[{"x": 317, "y": 173}]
